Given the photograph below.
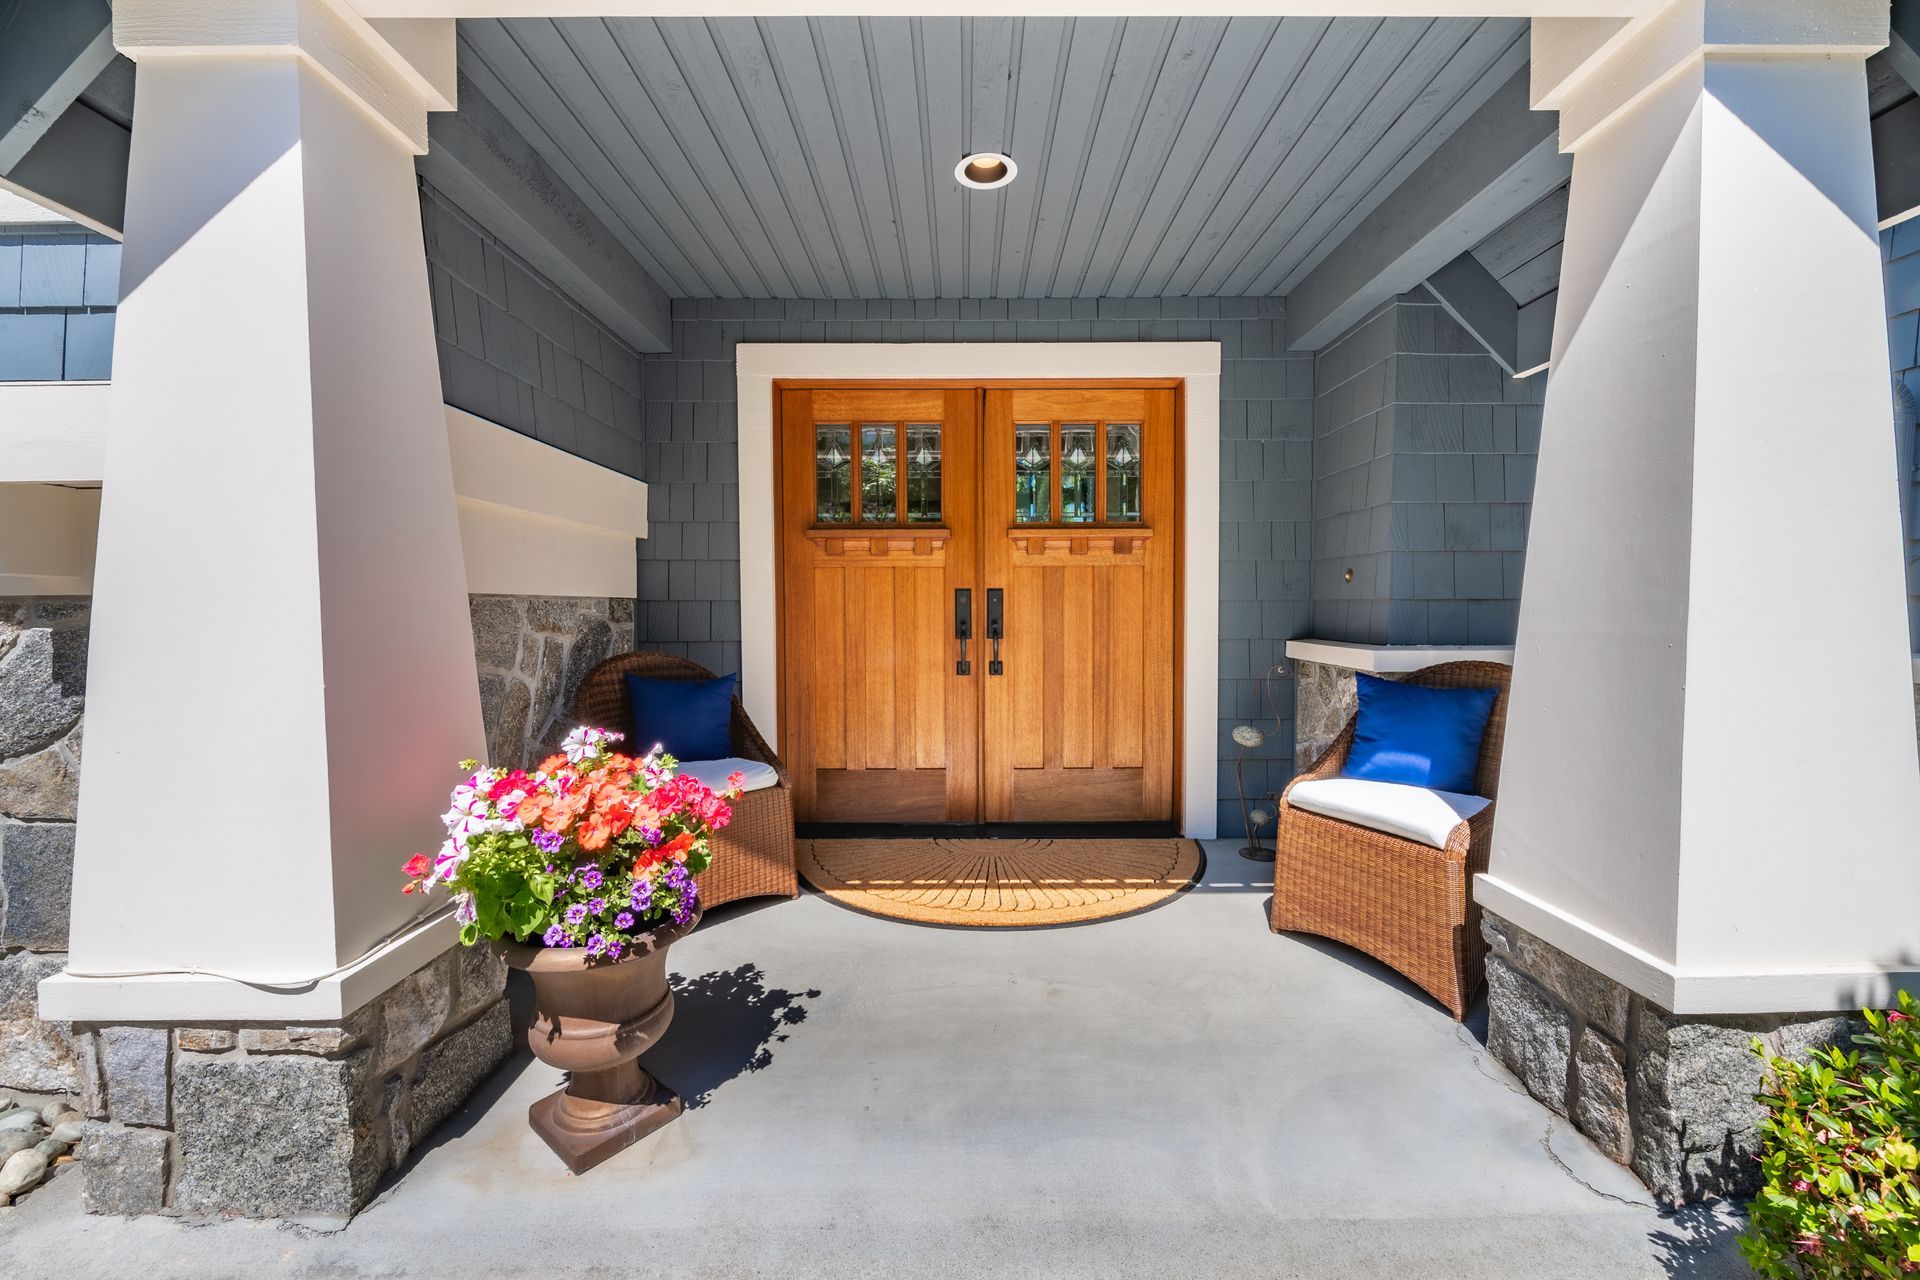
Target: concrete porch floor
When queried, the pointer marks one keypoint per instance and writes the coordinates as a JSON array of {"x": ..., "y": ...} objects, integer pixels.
[{"x": 1179, "y": 1092}]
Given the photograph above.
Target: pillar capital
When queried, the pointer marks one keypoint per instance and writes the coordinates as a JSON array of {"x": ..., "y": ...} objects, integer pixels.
[
  {"x": 398, "y": 69},
  {"x": 1591, "y": 70}
]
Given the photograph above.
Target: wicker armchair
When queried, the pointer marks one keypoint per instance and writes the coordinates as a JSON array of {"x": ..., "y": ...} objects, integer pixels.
[
  {"x": 753, "y": 854},
  {"x": 1406, "y": 904}
]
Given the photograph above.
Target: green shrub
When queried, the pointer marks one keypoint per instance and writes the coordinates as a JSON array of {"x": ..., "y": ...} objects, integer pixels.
[{"x": 1841, "y": 1196}]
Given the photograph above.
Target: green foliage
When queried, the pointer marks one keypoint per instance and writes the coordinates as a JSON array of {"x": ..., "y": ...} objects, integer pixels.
[{"x": 1841, "y": 1196}]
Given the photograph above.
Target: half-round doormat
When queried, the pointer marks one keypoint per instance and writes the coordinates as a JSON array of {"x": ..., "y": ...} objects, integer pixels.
[{"x": 999, "y": 883}]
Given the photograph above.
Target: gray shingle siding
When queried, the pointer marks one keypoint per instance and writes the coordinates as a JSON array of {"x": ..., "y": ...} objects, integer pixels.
[
  {"x": 1423, "y": 463},
  {"x": 690, "y": 569},
  {"x": 59, "y": 284},
  {"x": 514, "y": 350},
  {"x": 1900, "y": 249}
]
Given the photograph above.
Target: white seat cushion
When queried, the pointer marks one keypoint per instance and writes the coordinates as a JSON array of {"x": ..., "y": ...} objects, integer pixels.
[
  {"x": 714, "y": 772},
  {"x": 1412, "y": 813}
]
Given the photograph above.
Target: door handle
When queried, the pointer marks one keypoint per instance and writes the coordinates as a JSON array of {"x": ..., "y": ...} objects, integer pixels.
[
  {"x": 962, "y": 627},
  {"x": 995, "y": 628}
]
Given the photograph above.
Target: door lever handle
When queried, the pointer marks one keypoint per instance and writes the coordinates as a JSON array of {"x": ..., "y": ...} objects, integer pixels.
[
  {"x": 996, "y": 627},
  {"x": 962, "y": 627}
]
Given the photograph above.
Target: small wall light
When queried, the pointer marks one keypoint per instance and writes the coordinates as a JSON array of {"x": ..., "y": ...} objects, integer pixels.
[{"x": 985, "y": 170}]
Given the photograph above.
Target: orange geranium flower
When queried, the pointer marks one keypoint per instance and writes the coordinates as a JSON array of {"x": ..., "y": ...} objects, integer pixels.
[{"x": 676, "y": 848}]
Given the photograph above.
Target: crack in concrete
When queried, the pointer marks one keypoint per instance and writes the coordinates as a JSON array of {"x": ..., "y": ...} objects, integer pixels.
[
  {"x": 1546, "y": 1145},
  {"x": 1475, "y": 1052}
]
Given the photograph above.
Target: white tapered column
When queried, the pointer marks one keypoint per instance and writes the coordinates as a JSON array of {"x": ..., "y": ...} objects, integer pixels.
[
  {"x": 282, "y": 668},
  {"x": 1710, "y": 789}
]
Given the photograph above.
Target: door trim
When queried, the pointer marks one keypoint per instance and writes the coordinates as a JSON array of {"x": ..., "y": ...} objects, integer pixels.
[{"x": 759, "y": 367}]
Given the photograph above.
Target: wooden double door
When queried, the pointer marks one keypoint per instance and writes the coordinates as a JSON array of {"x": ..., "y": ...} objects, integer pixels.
[{"x": 978, "y": 600}]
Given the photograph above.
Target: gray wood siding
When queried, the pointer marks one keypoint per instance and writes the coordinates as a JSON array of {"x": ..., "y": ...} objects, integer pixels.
[
  {"x": 1524, "y": 255},
  {"x": 813, "y": 158}
]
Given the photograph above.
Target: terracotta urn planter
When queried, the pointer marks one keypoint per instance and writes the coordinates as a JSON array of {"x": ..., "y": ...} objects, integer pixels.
[{"x": 593, "y": 1018}]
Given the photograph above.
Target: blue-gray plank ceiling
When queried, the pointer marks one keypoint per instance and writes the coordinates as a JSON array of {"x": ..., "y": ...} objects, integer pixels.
[{"x": 813, "y": 157}]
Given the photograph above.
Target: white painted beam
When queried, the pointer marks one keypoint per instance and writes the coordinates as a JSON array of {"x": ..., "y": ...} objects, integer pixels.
[
  {"x": 1896, "y": 162},
  {"x": 78, "y": 169},
  {"x": 480, "y": 160},
  {"x": 1637, "y": 59},
  {"x": 50, "y": 50},
  {"x": 1496, "y": 164},
  {"x": 1903, "y": 41},
  {"x": 996, "y": 8},
  {"x": 1469, "y": 293},
  {"x": 397, "y": 83}
]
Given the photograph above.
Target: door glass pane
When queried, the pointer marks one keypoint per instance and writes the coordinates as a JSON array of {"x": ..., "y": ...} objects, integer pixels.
[
  {"x": 1032, "y": 473},
  {"x": 833, "y": 474},
  {"x": 877, "y": 465},
  {"x": 1123, "y": 471},
  {"x": 1078, "y": 460},
  {"x": 923, "y": 472}
]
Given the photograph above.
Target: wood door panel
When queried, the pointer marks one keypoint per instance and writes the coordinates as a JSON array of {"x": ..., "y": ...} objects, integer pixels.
[
  {"x": 877, "y": 723},
  {"x": 1078, "y": 795},
  {"x": 876, "y": 726},
  {"x": 883, "y": 795},
  {"x": 1082, "y": 723}
]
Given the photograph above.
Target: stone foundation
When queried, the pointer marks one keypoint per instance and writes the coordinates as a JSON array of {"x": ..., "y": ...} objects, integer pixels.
[
  {"x": 1671, "y": 1097},
  {"x": 43, "y": 675},
  {"x": 267, "y": 1120},
  {"x": 532, "y": 653}
]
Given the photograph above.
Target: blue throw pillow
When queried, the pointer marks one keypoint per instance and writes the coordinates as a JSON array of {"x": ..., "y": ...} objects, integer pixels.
[
  {"x": 1423, "y": 737},
  {"x": 691, "y": 719}
]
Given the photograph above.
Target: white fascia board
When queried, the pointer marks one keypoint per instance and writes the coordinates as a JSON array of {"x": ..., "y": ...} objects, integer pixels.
[
  {"x": 997, "y": 8},
  {"x": 1692, "y": 990},
  {"x": 208, "y": 997},
  {"x": 499, "y": 466},
  {"x": 1392, "y": 659},
  {"x": 52, "y": 432},
  {"x": 56, "y": 433}
]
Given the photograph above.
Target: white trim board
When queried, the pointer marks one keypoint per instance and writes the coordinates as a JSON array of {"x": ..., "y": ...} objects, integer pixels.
[
  {"x": 534, "y": 520},
  {"x": 1392, "y": 659},
  {"x": 1693, "y": 990},
  {"x": 758, "y": 365}
]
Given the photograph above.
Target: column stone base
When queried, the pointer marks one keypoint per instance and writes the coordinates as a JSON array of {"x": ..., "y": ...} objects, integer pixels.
[
  {"x": 270, "y": 1120},
  {"x": 1671, "y": 1097}
]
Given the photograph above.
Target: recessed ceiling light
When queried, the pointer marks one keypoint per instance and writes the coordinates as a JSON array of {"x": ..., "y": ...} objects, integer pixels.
[{"x": 985, "y": 170}]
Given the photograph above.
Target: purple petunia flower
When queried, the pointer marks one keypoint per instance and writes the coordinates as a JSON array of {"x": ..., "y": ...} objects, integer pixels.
[
  {"x": 576, "y": 913},
  {"x": 643, "y": 895},
  {"x": 624, "y": 920},
  {"x": 596, "y": 945},
  {"x": 547, "y": 841},
  {"x": 596, "y": 905},
  {"x": 555, "y": 936},
  {"x": 590, "y": 879},
  {"x": 615, "y": 950}
]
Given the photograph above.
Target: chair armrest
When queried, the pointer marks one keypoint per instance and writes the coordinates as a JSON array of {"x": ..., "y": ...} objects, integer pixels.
[{"x": 749, "y": 743}]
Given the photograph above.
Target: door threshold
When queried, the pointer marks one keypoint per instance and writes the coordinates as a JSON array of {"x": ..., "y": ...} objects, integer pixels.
[{"x": 986, "y": 830}]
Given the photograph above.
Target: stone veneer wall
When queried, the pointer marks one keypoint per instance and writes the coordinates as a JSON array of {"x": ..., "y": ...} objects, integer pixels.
[
  {"x": 1669, "y": 1096},
  {"x": 532, "y": 652},
  {"x": 43, "y": 676},
  {"x": 271, "y": 1120}
]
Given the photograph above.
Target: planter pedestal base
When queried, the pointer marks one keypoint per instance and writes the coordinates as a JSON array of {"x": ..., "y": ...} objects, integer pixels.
[{"x": 583, "y": 1133}]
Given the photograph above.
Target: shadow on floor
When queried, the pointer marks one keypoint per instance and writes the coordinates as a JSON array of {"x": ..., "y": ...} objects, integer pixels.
[
  {"x": 725, "y": 1024},
  {"x": 1699, "y": 1243}
]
